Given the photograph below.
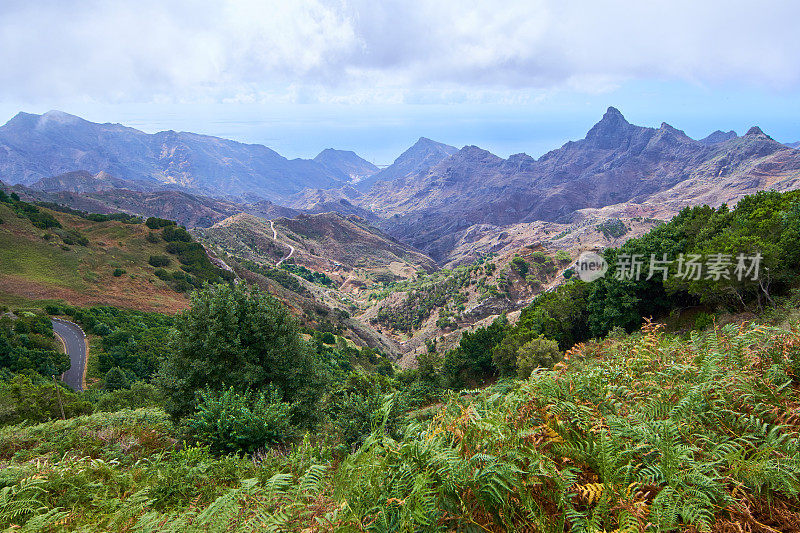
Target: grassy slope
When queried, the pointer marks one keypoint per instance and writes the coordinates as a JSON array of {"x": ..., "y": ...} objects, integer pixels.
[{"x": 33, "y": 269}]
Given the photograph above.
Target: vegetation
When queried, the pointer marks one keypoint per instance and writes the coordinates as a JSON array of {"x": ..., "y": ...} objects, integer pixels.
[
  {"x": 231, "y": 417},
  {"x": 27, "y": 345},
  {"x": 612, "y": 228},
  {"x": 281, "y": 276},
  {"x": 425, "y": 295},
  {"x": 94, "y": 217},
  {"x": 650, "y": 432},
  {"x": 320, "y": 278},
  {"x": 40, "y": 219},
  {"x": 236, "y": 338}
]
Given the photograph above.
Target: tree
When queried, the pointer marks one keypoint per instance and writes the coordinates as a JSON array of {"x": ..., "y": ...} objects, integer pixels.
[
  {"x": 536, "y": 353},
  {"x": 240, "y": 338},
  {"x": 471, "y": 362},
  {"x": 519, "y": 265},
  {"x": 116, "y": 379}
]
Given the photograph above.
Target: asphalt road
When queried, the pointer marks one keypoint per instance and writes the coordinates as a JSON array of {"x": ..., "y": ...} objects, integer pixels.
[{"x": 74, "y": 340}]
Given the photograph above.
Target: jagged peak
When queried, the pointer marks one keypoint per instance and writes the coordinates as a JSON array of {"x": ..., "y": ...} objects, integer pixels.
[
  {"x": 610, "y": 131},
  {"x": 472, "y": 150},
  {"x": 755, "y": 130}
]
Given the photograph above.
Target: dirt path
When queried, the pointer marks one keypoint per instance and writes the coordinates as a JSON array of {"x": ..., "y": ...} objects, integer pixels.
[{"x": 275, "y": 237}]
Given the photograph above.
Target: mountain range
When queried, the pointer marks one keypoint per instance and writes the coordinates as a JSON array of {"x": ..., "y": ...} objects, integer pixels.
[
  {"x": 33, "y": 147},
  {"x": 429, "y": 197}
]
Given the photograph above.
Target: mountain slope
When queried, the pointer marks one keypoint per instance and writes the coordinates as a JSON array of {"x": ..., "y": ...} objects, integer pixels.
[
  {"x": 325, "y": 242},
  {"x": 187, "y": 209},
  {"x": 82, "y": 181},
  {"x": 347, "y": 163},
  {"x": 421, "y": 156},
  {"x": 52, "y": 264},
  {"x": 33, "y": 147},
  {"x": 718, "y": 137},
  {"x": 616, "y": 162}
]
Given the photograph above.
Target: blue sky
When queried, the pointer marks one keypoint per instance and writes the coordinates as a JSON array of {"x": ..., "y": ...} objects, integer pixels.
[{"x": 373, "y": 77}]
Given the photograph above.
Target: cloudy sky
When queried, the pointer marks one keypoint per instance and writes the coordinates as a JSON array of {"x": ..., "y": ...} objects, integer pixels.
[{"x": 373, "y": 76}]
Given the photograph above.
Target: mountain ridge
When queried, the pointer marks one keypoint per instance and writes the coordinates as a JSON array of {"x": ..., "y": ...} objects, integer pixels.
[{"x": 34, "y": 147}]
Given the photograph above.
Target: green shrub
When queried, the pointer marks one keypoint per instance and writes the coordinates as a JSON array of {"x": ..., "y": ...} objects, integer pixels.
[
  {"x": 536, "y": 353},
  {"x": 118, "y": 272},
  {"x": 563, "y": 257},
  {"x": 158, "y": 223},
  {"x": 519, "y": 265},
  {"x": 234, "y": 422},
  {"x": 116, "y": 379},
  {"x": 176, "y": 233},
  {"x": 23, "y": 399},
  {"x": 159, "y": 260}
]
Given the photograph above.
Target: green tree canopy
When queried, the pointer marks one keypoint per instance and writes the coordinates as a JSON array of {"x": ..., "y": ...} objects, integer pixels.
[{"x": 239, "y": 338}]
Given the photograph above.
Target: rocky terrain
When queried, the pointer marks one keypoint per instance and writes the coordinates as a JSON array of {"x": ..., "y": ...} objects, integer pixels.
[{"x": 616, "y": 163}]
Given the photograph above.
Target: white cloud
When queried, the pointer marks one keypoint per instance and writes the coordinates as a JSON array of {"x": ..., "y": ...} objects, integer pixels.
[{"x": 363, "y": 51}]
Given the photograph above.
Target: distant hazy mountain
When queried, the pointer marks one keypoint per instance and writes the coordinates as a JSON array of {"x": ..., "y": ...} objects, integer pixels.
[
  {"x": 33, "y": 147},
  {"x": 424, "y": 154},
  {"x": 794, "y": 145},
  {"x": 346, "y": 162},
  {"x": 616, "y": 162},
  {"x": 719, "y": 136}
]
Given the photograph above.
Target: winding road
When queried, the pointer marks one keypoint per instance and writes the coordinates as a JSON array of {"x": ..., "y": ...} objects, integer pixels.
[
  {"x": 275, "y": 238},
  {"x": 75, "y": 342}
]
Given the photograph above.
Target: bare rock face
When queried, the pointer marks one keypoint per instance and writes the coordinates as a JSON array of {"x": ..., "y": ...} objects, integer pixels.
[{"x": 488, "y": 307}]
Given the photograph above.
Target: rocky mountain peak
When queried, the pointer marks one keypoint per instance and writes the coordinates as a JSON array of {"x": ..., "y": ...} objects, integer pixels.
[
  {"x": 755, "y": 131},
  {"x": 719, "y": 136},
  {"x": 611, "y": 131}
]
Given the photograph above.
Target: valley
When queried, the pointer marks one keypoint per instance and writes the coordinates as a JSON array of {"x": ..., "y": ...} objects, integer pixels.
[{"x": 382, "y": 239}]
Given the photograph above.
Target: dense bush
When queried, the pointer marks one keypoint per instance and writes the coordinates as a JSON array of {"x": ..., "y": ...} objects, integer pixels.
[
  {"x": 233, "y": 422},
  {"x": 176, "y": 233},
  {"x": 38, "y": 399},
  {"x": 279, "y": 275},
  {"x": 159, "y": 260},
  {"x": 240, "y": 338},
  {"x": 536, "y": 353},
  {"x": 28, "y": 345},
  {"x": 134, "y": 341},
  {"x": 319, "y": 278},
  {"x": 158, "y": 223}
]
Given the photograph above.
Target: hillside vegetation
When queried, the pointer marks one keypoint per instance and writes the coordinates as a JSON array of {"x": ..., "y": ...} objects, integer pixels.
[
  {"x": 62, "y": 255},
  {"x": 641, "y": 433},
  {"x": 584, "y": 415}
]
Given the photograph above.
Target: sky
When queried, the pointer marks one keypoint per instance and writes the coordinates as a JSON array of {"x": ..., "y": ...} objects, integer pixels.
[{"x": 370, "y": 76}]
